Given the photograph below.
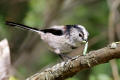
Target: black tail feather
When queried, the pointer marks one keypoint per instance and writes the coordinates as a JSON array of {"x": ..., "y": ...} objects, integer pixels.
[
  {"x": 52, "y": 30},
  {"x": 21, "y": 26}
]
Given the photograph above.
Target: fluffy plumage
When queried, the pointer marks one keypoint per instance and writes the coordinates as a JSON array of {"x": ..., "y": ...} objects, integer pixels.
[{"x": 61, "y": 39}]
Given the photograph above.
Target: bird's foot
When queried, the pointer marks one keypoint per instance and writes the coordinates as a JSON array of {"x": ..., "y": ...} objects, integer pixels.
[{"x": 63, "y": 56}]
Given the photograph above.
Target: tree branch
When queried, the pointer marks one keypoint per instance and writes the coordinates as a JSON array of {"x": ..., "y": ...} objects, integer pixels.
[{"x": 69, "y": 68}]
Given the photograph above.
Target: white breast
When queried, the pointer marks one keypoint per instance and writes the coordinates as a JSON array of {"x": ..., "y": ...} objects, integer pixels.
[{"x": 58, "y": 44}]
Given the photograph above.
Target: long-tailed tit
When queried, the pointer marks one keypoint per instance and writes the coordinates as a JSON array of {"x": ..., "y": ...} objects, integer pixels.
[{"x": 61, "y": 39}]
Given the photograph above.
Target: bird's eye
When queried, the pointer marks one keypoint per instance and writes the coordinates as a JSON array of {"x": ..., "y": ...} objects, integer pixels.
[{"x": 80, "y": 35}]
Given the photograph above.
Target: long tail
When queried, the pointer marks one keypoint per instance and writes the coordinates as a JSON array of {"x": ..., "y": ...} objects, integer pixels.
[{"x": 21, "y": 26}]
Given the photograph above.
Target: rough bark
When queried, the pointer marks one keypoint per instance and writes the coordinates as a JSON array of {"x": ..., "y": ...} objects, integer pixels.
[{"x": 69, "y": 68}]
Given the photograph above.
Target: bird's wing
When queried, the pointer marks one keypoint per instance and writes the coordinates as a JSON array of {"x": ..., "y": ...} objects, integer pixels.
[{"x": 53, "y": 31}]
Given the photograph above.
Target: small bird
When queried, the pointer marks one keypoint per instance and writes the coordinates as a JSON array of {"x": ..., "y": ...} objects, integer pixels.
[{"x": 61, "y": 38}]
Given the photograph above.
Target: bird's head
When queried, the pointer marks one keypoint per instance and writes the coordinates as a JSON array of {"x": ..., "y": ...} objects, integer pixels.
[{"x": 78, "y": 33}]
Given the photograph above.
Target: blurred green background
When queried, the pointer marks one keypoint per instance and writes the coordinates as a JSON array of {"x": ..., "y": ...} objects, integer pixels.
[{"x": 30, "y": 55}]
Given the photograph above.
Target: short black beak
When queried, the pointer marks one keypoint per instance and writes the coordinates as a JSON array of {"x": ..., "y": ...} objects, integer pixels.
[{"x": 86, "y": 40}]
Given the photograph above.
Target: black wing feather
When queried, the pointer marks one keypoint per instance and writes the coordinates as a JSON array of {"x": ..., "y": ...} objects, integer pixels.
[{"x": 53, "y": 31}]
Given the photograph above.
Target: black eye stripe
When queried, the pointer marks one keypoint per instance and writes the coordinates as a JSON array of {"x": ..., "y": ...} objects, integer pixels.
[
  {"x": 82, "y": 33},
  {"x": 75, "y": 26}
]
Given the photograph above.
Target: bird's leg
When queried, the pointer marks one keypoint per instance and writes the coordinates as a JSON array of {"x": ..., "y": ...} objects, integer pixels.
[{"x": 62, "y": 56}]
